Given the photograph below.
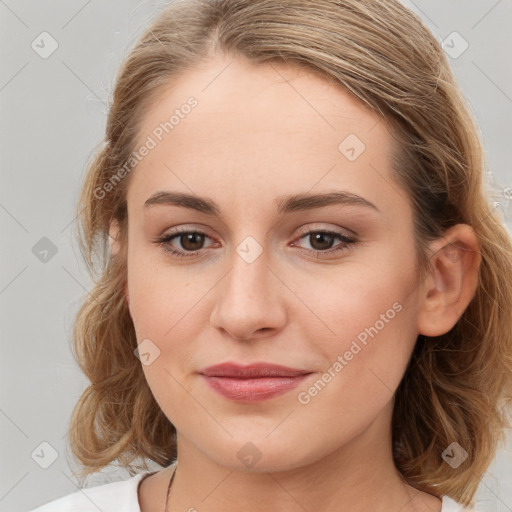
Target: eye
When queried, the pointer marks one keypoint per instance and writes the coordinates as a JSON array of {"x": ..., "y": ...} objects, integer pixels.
[
  {"x": 190, "y": 240},
  {"x": 321, "y": 242}
]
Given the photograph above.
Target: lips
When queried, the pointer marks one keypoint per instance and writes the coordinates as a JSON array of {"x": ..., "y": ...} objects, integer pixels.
[
  {"x": 254, "y": 382},
  {"x": 252, "y": 371}
]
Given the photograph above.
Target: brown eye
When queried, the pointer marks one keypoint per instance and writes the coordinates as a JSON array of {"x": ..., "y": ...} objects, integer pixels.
[
  {"x": 183, "y": 242},
  {"x": 191, "y": 241},
  {"x": 321, "y": 241}
]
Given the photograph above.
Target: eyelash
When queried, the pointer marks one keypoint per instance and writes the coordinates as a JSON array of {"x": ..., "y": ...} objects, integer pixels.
[{"x": 347, "y": 242}]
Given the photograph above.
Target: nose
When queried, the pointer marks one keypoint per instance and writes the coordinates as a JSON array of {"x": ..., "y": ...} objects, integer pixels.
[{"x": 251, "y": 300}]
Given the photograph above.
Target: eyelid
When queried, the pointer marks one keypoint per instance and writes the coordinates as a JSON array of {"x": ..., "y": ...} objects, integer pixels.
[
  {"x": 187, "y": 228},
  {"x": 319, "y": 226}
]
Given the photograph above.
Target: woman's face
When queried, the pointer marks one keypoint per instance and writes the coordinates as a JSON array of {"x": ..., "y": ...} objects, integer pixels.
[{"x": 257, "y": 156}]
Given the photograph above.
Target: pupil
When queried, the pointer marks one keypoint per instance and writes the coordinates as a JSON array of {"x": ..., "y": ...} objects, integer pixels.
[
  {"x": 191, "y": 238},
  {"x": 319, "y": 237}
]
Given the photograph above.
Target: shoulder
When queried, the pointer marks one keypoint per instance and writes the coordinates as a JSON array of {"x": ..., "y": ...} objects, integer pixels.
[
  {"x": 122, "y": 495},
  {"x": 111, "y": 497},
  {"x": 450, "y": 505}
]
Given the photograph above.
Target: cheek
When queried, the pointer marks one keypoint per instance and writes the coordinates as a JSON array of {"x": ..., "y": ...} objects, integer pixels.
[
  {"x": 366, "y": 315},
  {"x": 159, "y": 294},
  {"x": 165, "y": 306},
  {"x": 363, "y": 362},
  {"x": 356, "y": 296},
  {"x": 168, "y": 307}
]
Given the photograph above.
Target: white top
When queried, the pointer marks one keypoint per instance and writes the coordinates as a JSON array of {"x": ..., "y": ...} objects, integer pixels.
[{"x": 122, "y": 496}]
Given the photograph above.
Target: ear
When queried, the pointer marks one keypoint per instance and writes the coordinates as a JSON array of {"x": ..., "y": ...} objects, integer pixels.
[
  {"x": 450, "y": 286},
  {"x": 113, "y": 236},
  {"x": 115, "y": 246}
]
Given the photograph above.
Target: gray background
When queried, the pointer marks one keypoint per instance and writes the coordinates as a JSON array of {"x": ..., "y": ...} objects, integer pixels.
[{"x": 53, "y": 115}]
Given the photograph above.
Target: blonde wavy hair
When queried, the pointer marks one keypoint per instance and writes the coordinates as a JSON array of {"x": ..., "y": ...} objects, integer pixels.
[{"x": 458, "y": 386}]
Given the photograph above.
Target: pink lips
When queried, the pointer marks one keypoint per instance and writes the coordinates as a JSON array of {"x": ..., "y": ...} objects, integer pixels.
[{"x": 254, "y": 382}]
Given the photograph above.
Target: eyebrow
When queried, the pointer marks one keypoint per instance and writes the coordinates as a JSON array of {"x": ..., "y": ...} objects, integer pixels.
[{"x": 284, "y": 204}]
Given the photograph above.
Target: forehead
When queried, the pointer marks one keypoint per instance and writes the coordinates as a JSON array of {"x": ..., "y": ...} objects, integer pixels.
[{"x": 257, "y": 128}]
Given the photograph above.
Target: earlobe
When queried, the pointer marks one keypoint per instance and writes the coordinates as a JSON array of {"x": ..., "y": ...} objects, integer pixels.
[{"x": 451, "y": 283}]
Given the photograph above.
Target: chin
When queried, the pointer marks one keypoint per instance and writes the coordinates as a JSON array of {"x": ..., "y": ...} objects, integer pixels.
[{"x": 259, "y": 453}]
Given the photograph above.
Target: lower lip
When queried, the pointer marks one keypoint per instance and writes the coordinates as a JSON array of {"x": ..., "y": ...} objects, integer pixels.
[{"x": 253, "y": 390}]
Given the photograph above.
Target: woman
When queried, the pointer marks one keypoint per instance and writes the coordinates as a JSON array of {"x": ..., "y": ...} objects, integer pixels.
[{"x": 306, "y": 301}]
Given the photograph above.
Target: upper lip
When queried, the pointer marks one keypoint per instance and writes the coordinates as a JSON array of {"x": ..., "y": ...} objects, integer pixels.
[{"x": 251, "y": 371}]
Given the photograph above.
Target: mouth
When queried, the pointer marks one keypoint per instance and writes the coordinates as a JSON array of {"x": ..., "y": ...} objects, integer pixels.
[{"x": 254, "y": 382}]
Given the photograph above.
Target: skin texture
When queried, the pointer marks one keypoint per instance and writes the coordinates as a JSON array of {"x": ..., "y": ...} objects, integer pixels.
[{"x": 258, "y": 133}]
